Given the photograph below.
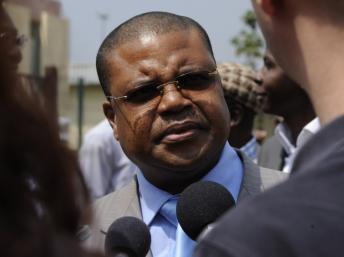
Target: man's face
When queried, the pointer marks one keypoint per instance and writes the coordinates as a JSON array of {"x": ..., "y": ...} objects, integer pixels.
[
  {"x": 176, "y": 135},
  {"x": 277, "y": 22},
  {"x": 10, "y": 53},
  {"x": 279, "y": 88}
]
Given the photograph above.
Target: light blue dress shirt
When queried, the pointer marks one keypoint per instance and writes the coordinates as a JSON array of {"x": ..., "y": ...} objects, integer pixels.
[
  {"x": 227, "y": 172},
  {"x": 250, "y": 149}
]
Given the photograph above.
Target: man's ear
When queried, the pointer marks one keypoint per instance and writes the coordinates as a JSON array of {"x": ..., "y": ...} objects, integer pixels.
[
  {"x": 111, "y": 117},
  {"x": 269, "y": 6},
  {"x": 237, "y": 114}
]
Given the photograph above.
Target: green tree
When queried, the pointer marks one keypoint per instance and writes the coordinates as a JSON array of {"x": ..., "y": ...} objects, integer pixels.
[{"x": 248, "y": 43}]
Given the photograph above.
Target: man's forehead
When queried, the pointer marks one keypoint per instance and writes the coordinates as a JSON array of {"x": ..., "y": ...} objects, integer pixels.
[
  {"x": 157, "y": 57},
  {"x": 151, "y": 46}
]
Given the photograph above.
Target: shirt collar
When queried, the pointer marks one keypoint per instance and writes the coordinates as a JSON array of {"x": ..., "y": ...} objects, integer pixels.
[
  {"x": 308, "y": 131},
  {"x": 227, "y": 172},
  {"x": 283, "y": 135},
  {"x": 313, "y": 126},
  {"x": 250, "y": 148},
  {"x": 151, "y": 198}
]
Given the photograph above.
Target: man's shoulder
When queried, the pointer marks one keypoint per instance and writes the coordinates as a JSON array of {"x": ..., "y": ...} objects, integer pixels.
[
  {"x": 327, "y": 145},
  {"x": 264, "y": 176},
  {"x": 100, "y": 140},
  {"x": 261, "y": 214},
  {"x": 257, "y": 179},
  {"x": 271, "y": 177},
  {"x": 270, "y": 153},
  {"x": 282, "y": 221},
  {"x": 107, "y": 209},
  {"x": 304, "y": 210},
  {"x": 102, "y": 131},
  {"x": 115, "y": 202}
]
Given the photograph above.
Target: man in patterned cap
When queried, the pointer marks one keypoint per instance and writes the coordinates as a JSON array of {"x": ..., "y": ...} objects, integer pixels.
[{"x": 240, "y": 85}]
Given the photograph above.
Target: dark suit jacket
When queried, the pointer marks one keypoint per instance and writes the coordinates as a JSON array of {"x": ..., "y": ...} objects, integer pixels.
[
  {"x": 125, "y": 202},
  {"x": 303, "y": 217}
]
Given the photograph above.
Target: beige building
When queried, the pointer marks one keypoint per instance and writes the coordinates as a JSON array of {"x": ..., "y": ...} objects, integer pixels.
[
  {"x": 41, "y": 22},
  {"x": 93, "y": 98},
  {"x": 48, "y": 45}
]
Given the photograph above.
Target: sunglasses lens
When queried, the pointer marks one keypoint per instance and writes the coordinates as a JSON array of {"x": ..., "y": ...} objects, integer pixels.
[
  {"x": 193, "y": 81},
  {"x": 143, "y": 94},
  {"x": 196, "y": 81}
]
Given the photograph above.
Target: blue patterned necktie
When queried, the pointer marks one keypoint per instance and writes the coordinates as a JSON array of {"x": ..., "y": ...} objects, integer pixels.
[
  {"x": 168, "y": 211},
  {"x": 184, "y": 245}
]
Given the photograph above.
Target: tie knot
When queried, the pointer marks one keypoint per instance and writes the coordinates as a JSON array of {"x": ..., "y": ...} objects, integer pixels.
[{"x": 168, "y": 211}]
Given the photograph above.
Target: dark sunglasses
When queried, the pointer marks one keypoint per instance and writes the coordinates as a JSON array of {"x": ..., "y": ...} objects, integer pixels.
[{"x": 191, "y": 81}]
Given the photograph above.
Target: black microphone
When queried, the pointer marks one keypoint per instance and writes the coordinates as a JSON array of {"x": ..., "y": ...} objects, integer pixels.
[
  {"x": 200, "y": 204},
  {"x": 127, "y": 237}
]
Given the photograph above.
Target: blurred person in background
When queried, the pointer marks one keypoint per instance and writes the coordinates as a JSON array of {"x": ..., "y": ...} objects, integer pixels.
[
  {"x": 286, "y": 99},
  {"x": 43, "y": 198},
  {"x": 10, "y": 52},
  {"x": 104, "y": 165},
  {"x": 302, "y": 217},
  {"x": 240, "y": 84}
]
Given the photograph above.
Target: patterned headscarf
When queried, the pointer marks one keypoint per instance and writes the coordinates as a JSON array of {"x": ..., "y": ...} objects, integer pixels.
[{"x": 240, "y": 83}]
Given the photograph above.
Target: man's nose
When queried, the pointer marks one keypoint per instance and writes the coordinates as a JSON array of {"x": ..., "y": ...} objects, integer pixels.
[
  {"x": 259, "y": 78},
  {"x": 172, "y": 99}
]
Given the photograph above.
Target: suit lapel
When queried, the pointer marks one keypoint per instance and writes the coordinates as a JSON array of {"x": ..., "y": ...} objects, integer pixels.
[
  {"x": 124, "y": 203},
  {"x": 257, "y": 179},
  {"x": 251, "y": 184},
  {"x": 128, "y": 199}
]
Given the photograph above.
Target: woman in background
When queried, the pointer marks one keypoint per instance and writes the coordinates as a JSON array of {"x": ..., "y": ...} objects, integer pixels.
[{"x": 42, "y": 195}]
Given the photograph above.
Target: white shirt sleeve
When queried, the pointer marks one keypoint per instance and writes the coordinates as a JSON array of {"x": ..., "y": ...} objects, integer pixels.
[{"x": 104, "y": 165}]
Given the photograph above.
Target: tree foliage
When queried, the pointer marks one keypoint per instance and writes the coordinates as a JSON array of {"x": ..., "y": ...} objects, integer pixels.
[{"x": 248, "y": 43}]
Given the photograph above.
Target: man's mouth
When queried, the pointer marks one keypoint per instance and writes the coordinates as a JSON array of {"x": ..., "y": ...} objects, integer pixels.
[{"x": 179, "y": 132}]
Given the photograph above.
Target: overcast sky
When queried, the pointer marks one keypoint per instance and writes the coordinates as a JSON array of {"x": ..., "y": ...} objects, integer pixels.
[{"x": 221, "y": 19}]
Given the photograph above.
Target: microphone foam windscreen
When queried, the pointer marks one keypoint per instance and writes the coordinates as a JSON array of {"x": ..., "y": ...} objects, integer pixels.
[
  {"x": 200, "y": 204},
  {"x": 128, "y": 234}
]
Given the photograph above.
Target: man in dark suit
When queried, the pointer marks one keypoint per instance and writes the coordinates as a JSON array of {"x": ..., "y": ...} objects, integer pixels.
[{"x": 304, "y": 216}]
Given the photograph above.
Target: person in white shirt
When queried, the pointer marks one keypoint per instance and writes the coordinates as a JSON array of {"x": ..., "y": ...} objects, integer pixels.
[
  {"x": 286, "y": 99},
  {"x": 104, "y": 165},
  {"x": 282, "y": 133}
]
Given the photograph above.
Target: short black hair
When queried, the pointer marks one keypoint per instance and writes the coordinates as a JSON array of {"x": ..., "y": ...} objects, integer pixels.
[{"x": 156, "y": 23}]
